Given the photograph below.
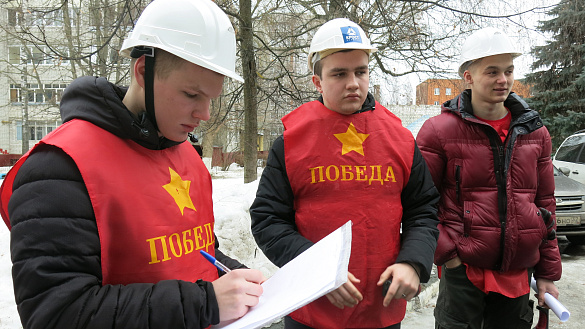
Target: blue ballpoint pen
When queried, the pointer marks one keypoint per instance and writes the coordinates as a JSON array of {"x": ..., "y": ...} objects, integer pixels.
[{"x": 215, "y": 262}]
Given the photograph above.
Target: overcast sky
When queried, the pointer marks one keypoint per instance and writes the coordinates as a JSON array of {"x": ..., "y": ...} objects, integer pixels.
[{"x": 520, "y": 28}]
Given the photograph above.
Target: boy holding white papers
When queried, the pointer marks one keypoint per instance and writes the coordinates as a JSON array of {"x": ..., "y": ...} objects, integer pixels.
[
  {"x": 345, "y": 157},
  {"x": 489, "y": 155}
]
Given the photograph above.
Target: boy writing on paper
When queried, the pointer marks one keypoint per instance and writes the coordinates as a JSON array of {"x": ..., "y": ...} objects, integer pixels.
[{"x": 108, "y": 211}]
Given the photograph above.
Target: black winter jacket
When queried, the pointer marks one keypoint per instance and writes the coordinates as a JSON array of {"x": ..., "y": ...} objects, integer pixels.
[
  {"x": 273, "y": 214},
  {"x": 55, "y": 244}
]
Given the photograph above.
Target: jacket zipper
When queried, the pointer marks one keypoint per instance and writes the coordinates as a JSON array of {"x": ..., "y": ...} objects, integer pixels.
[
  {"x": 502, "y": 201},
  {"x": 499, "y": 171},
  {"x": 458, "y": 183}
]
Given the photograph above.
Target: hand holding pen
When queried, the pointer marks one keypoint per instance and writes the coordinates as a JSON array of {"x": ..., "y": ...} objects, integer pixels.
[
  {"x": 236, "y": 291},
  {"x": 215, "y": 262}
]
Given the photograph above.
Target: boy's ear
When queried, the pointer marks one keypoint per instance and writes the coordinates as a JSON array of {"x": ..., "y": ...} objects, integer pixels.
[
  {"x": 317, "y": 83},
  {"x": 139, "y": 70},
  {"x": 467, "y": 77}
]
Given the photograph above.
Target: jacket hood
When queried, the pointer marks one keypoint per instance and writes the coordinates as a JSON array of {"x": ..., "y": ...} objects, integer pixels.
[{"x": 98, "y": 101}]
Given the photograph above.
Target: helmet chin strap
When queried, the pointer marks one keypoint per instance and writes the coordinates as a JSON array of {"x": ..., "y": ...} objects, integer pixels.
[{"x": 148, "y": 53}]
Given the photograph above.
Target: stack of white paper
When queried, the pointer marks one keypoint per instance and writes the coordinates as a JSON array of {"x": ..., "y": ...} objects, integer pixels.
[{"x": 314, "y": 273}]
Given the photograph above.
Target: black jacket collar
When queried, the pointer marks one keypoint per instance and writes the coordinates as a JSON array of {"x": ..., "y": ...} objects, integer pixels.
[{"x": 369, "y": 103}]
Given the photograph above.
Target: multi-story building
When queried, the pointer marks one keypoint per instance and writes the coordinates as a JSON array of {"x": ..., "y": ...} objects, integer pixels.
[
  {"x": 46, "y": 44},
  {"x": 438, "y": 91}
]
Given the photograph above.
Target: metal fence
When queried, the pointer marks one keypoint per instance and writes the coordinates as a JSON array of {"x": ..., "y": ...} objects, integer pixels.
[{"x": 413, "y": 116}]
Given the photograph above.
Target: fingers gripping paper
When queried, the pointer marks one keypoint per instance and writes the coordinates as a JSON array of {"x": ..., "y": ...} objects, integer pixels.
[{"x": 312, "y": 274}]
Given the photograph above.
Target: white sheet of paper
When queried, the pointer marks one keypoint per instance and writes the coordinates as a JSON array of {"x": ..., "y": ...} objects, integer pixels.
[
  {"x": 312, "y": 274},
  {"x": 559, "y": 309}
]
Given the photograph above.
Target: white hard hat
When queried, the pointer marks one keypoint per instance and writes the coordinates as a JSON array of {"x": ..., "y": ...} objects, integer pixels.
[
  {"x": 335, "y": 35},
  {"x": 486, "y": 42},
  {"x": 195, "y": 30}
]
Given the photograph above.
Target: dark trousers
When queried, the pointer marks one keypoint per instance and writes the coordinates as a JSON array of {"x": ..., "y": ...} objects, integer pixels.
[
  {"x": 292, "y": 324},
  {"x": 460, "y": 304}
]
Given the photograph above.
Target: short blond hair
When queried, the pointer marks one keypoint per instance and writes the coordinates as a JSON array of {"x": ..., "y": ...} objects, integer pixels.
[{"x": 164, "y": 64}]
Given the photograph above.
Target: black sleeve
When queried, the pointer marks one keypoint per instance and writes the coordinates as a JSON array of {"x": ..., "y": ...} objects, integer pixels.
[
  {"x": 419, "y": 219},
  {"x": 226, "y": 260},
  {"x": 57, "y": 272},
  {"x": 272, "y": 212}
]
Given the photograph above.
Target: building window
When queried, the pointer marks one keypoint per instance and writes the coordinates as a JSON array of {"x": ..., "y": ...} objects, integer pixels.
[
  {"x": 30, "y": 55},
  {"x": 448, "y": 91},
  {"x": 37, "y": 55},
  {"x": 37, "y": 129},
  {"x": 15, "y": 17},
  {"x": 437, "y": 91},
  {"x": 40, "y": 17},
  {"x": 437, "y": 103},
  {"x": 14, "y": 55},
  {"x": 50, "y": 93},
  {"x": 53, "y": 17},
  {"x": 15, "y": 94}
]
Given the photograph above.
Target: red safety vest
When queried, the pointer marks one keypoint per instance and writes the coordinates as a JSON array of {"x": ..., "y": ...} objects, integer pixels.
[
  {"x": 350, "y": 167},
  {"x": 153, "y": 208}
]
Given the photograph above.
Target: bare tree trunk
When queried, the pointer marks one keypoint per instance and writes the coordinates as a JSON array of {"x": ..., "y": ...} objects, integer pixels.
[
  {"x": 250, "y": 89},
  {"x": 67, "y": 28},
  {"x": 207, "y": 144},
  {"x": 25, "y": 123}
]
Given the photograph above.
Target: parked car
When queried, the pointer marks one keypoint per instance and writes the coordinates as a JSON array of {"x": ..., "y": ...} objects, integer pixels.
[
  {"x": 570, "y": 198},
  {"x": 571, "y": 155}
]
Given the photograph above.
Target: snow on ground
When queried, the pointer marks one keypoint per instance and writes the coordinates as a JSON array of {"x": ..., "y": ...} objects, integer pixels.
[
  {"x": 8, "y": 316},
  {"x": 231, "y": 203}
]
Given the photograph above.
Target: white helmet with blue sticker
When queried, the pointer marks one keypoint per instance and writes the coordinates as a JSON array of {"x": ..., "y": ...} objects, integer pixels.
[{"x": 336, "y": 35}]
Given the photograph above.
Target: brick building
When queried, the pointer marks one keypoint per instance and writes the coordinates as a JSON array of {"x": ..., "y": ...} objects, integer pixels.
[{"x": 438, "y": 91}]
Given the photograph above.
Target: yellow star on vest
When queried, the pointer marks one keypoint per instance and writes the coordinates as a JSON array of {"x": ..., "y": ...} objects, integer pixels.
[
  {"x": 179, "y": 190},
  {"x": 352, "y": 140}
]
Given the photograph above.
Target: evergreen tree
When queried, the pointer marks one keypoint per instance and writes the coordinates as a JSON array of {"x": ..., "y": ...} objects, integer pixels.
[{"x": 559, "y": 89}]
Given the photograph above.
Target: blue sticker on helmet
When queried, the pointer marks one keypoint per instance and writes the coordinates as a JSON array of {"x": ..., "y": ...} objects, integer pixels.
[{"x": 351, "y": 34}]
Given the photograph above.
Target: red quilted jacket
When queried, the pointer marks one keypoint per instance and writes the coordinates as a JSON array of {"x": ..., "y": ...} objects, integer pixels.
[{"x": 491, "y": 191}]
